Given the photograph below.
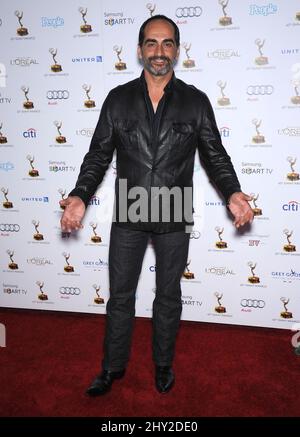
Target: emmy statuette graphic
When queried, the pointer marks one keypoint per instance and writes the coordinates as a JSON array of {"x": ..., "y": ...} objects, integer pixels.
[
  {"x": 187, "y": 274},
  {"x": 293, "y": 176},
  {"x": 151, "y": 8},
  {"x": 95, "y": 238},
  {"x": 56, "y": 68},
  {"x": 62, "y": 193},
  {"x": 67, "y": 268},
  {"x": 225, "y": 20},
  {"x": 120, "y": 65},
  {"x": 261, "y": 59},
  {"x": 289, "y": 247},
  {"x": 285, "y": 314},
  {"x": 187, "y": 63},
  {"x": 12, "y": 265},
  {"x": 223, "y": 101},
  {"x": 84, "y": 28},
  {"x": 6, "y": 204},
  {"x": 3, "y": 139},
  {"x": 37, "y": 236},
  {"x": 220, "y": 244},
  {"x": 21, "y": 31},
  {"x": 258, "y": 138},
  {"x": 256, "y": 210},
  {"x": 297, "y": 16},
  {"x": 28, "y": 104},
  {"x": 41, "y": 295},
  {"x": 32, "y": 172},
  {"x": 60, "y": 138},
  {"x": 98, "y": 300},
  {"x": 88, "y": 103},
  {"x": 220, "y": 308},
  {"x": 253, "y": 279}
]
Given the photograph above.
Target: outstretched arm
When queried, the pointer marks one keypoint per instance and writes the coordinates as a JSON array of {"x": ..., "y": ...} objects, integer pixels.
[
  {"x": 92, "y": 171},
  {"x": 219, "y": 167}
]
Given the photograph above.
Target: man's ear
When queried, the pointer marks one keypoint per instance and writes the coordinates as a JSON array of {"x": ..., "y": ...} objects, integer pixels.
[{"x": 139, "y": 52}]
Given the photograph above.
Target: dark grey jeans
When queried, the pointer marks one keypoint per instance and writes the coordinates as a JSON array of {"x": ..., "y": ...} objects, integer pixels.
[{"x": 126, "y": 253}]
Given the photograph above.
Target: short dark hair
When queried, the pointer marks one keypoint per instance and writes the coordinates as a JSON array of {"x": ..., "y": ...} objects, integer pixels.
[{"x": 159, "y": 17}]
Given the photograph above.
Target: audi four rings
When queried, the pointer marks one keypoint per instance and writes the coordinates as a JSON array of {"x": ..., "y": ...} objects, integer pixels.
[
  {"x": 191, "y": 11},
  {"x": 58, "y": 94},
  {"x": 70, "y": 290},
  {"x": 253, "y": 303},
  {"x": 5, "y": 227},
  {"x": 263, "y": 90}
]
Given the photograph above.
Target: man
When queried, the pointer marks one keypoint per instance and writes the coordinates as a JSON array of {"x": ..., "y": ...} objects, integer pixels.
[{"x": 156, "y": 123}]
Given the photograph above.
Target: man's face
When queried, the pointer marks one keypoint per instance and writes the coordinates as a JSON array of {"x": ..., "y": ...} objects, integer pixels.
[{"x": 158, "y": 51}]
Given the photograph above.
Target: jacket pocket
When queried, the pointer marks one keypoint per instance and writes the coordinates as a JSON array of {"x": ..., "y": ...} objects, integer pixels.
[
  {"x": 182, "y": 134},
  {"x": 127, "y": 136}
]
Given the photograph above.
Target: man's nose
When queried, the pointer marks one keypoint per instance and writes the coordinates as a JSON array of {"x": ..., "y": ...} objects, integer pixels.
[{"x": 159, "y": 50}]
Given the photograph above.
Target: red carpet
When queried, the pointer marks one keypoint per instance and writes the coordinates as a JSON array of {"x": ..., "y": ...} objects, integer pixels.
[{"x": 221, "y": 370}]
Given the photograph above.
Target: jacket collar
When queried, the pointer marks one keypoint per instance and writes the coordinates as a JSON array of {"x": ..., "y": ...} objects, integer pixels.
[{"x": 168, "y": 88}]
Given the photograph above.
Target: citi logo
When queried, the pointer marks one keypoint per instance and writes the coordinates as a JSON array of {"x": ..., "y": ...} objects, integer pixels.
[
  {"x": 293, "y": 206},
  {"x": 95, "y": 201},
  {"x": 87, "y": 59},
  {"x": 225, "y": 132},
  {"x": 29, "y": 133}
]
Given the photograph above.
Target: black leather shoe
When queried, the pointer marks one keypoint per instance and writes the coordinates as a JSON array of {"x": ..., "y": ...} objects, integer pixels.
[
  {"x": 164, "y": 378},
  {"x": 102, "y": 383}
]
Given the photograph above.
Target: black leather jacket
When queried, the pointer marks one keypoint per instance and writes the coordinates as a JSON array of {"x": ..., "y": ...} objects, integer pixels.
[{"x": 164, "y": 159}]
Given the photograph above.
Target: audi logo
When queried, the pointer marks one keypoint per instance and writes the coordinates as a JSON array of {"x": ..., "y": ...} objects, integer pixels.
[
  {"x": 5, "y": 227},
  {"x": 253, "y": 303},
  {"x": 195, "y": 235},
  {"x": 191, "y": 11},
  {"x": 58, "y": 94},
  {"x": 262, "y": 90},
  {"x": 70, "y": 290}
]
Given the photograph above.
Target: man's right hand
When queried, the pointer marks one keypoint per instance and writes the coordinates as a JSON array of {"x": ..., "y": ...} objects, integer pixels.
[{"x": 73, "y": 213}]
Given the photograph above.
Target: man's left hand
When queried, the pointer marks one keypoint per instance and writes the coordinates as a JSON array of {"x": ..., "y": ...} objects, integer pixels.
[{"x": 240, "y": 209}]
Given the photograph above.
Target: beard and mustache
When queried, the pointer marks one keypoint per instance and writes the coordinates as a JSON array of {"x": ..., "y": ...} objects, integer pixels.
[{"x": 157, "y": 70}]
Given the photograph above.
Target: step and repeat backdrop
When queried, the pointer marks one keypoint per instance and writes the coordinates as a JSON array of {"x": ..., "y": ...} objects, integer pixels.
[{"x": 58, "y": 61}]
